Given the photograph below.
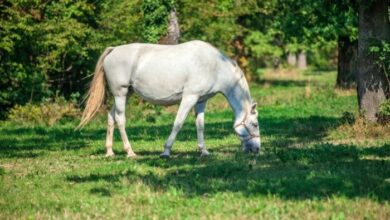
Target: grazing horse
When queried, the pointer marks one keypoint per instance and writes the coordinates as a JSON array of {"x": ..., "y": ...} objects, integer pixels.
[{"x": 188, "y": 73}]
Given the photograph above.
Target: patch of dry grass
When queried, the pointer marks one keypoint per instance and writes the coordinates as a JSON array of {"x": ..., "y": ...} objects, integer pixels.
[
  {"x": 345, "y": 92},
  {"x": 361, "y": 130},
  {"x": 283, "y": 74}
]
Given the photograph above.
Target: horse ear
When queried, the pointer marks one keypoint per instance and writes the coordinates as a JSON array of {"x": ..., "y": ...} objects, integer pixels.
[{"x": 253, "y": 109}]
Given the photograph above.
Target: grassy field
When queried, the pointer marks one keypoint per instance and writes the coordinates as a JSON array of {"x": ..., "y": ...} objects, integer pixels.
[{"x": 313, "y": 164}]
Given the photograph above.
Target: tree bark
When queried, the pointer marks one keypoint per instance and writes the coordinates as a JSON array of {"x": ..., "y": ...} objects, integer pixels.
[
  {"x": 173, "y": 34},
  {"x": 347, "y": 62},
  {"x": 292, "y": 59},
  {"x": 373, "y": 87},
  {"x": 302, "y": 63}
]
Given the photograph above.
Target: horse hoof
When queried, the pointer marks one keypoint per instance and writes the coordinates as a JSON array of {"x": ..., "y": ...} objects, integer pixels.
[
  {"x": 131, "y": 155},
  {"x": 164, "y": 155},
  {"x": 204, "y": 153},
  {"x": 109, "y": 154}
]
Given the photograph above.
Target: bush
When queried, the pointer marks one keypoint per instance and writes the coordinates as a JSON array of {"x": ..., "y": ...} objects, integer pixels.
[
  {"x": 381, "y": 50},
  {"x": 348, "y": 118},
  {"x": 384, "y": 112},
  {"x": 48, "y": 112}
]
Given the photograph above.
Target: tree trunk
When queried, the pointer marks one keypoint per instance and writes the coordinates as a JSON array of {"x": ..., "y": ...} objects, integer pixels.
[
  {"x": 373, "y": 87},
  {"x": 347, "y": 61},
  {"x": 302, "y": 63},
  {"x": 291, "y": 59},
  {"x": 173, "y": 34}
]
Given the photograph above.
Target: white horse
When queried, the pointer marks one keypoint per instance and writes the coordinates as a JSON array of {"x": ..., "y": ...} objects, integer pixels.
[{"x": 189, "y": 73}]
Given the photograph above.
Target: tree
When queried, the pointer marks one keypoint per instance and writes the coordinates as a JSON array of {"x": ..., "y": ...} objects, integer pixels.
[
  {"x": 173, "y": 33},
  {"x": 373, "y": 85},
  {"x": 302, "y": 61},
  {"x": 45, "y": 47},
  {"x": 345, "y": 12},
  {"x": 291, "y": 59},
  {"x": 312, "y": 24},
  {"x": 49, "y": 48},
  {"x": 347, "y": 62},
  {"x": 155, "y": 19}
]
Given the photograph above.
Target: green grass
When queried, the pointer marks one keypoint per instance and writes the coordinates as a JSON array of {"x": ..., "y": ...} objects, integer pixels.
[{"x": 303, "y": 170}]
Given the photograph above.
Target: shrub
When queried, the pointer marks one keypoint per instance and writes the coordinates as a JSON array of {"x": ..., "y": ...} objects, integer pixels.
[
  {"x": 384, "y": 112},
  {"x": 348, "y": 118},
  {"x": 381, "y": 50},
  {"x": 48, "y": 112}
]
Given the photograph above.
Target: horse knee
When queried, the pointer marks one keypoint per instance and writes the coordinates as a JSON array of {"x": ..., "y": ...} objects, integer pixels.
[
  {"x": 110, "y": 120},
  {"x": 120, "y": 119},
  {"x": 200, "y": 122}
]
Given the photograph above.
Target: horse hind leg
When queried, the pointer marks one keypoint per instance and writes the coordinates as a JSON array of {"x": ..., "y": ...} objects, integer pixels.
[
  {"x": 110, "y": 132},
  {"x": 120, "y": 118},
  {"x": 199, "y": 114}
]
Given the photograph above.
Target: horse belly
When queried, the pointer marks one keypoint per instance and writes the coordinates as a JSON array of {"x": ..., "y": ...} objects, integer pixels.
[
  {"x": 155, "y": 97},
  {"x": 158, "y": 92}
]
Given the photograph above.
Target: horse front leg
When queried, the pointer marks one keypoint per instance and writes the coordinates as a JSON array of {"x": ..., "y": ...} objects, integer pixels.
[
  {"x": 186, "y": 104},
  {"x": 199, "y": 113}
]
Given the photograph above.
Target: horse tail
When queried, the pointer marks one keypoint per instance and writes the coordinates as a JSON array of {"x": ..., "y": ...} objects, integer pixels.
[{"x": 96, "y": 92}]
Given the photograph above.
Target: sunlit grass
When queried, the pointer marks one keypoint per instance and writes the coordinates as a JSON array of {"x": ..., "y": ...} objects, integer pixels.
[{"x": 313, "y": 165}]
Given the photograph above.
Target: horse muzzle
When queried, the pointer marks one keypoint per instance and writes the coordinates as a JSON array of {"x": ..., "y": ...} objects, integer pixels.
[{"x": 252, "y": 145}]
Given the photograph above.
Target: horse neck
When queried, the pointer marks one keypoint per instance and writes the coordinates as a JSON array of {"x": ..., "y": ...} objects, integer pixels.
[{"x": 239, "y": 100}]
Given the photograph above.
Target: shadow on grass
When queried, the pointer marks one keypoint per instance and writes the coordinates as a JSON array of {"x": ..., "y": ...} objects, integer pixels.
[
  {"x": 311, "y": 128},
  {"x": 282, "y": 83},
  {"x": 32, "y": 142},
  {"x": 319, "y": 171},
  {"x": 26, "y": 142},
  {"x": 101, "y": 191}
]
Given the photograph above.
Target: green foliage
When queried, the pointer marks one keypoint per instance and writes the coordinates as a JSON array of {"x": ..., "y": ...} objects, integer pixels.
[
  {"x": 261, "y": 47},
  {"x": 155, "y": 19},
  {"x": 48, "y": 112},
  {"x": 348, "y": 117},
  {"x": 241, "y": 29},
  {"x": 49, "y": 46},
  {"x": 323, "y": 56},
  {"x": 385, "y": 108},
  {"x": 381, "y": 50},
  {"x": 267, "y": 30},
  {"x": 45, "y": 47},
  {"x": 314, "y": 27},
  {"x": 384, "y": 112},
  {"x": 119, "y": 22},
  {"x": 309, "y": 22},
  {"x": 53, "y": 46},
  {"x": 213, "y": 22}
]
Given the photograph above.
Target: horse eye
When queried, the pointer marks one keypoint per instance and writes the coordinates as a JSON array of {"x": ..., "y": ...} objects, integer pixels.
[{"x": 255, "y": 125}]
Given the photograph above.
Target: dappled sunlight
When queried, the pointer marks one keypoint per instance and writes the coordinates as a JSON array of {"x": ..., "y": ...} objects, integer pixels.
[
  {"x": 320, "y": 171},
  {"x": 310, "y": 154}
]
